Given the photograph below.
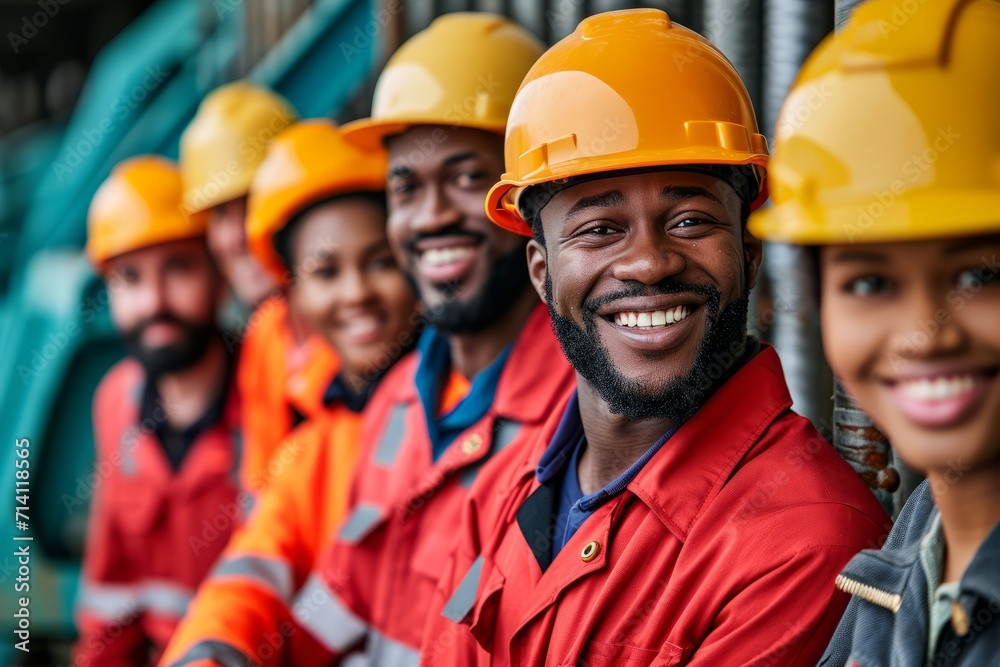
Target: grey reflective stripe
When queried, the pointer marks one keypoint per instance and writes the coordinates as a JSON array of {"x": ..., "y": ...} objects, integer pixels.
[
  {"x": 113, "y": 602},
  {"x": 385, "y": 652},
  {"x": 392, "y": 436},
  {"x": 504, "y": 433},
  {"x": 359, "y": 524},
  {"x": 318, "y": 610},
  {"x": 274, "y": 574},
  {"x": 216, "y": 651},
  {"x": 464, "y": 597}
]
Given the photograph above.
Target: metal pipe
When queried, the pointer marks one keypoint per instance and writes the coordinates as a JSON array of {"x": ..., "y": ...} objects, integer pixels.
[{"x": 792, "y": 28}]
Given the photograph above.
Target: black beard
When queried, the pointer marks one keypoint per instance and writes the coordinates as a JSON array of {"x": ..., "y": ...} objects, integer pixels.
[
  {"x": 719, "y": 355},
  {"x": 508, "y": 280},
  {"x": 166, "y": 359}
]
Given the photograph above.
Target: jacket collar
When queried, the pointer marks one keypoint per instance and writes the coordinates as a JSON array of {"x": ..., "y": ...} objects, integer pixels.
[
  {"x": 532, "y": 380},
  {"x": 703, "y": 453}
]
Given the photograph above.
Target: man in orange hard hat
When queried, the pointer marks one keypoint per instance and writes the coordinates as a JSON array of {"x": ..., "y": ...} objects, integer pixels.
[
  {"x": 166, "y": 420},
  {"x": 673, "y": 510},
  {"x": 283, "y": 368}
]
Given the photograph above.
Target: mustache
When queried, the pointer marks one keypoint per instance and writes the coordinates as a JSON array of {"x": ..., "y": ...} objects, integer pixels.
[
  {"x": 634, "y": 289},
  {"x": 450, "y": 231},
  {"x": 159, "y": 318}
]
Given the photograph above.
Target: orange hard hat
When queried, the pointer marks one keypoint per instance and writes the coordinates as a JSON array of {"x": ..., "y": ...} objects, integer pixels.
[
  {"x": 306, "y": 163},
  {"x": 139, "y": 205},
  {"x": 628, "y": 89},
  {"x": 462, "y": 71},
  {"x": 227, "y": 140}
]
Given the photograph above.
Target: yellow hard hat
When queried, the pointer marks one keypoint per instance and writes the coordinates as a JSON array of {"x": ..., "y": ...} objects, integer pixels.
[
  {"x": 226, "y": 142},
  {"x": 462, "y": 71},
  {"x": 891, "y": 132},
  {"x": 306, "y": 163},
  {"x": 627, "y": 89},
  {"x": 138, "y": 206}
]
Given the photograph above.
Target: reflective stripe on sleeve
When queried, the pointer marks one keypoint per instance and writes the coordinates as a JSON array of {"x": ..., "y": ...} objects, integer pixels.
[
  {"x": 359, "y": 523},
  {"x": 385, "y": 652},
  {"x": 461, "y": 601},
  {"x": 272, "y": 573},
  {"x": 216, "y": 651},
  {"x": 114, "y": 602},
  {"x": 321, "y": 612}
]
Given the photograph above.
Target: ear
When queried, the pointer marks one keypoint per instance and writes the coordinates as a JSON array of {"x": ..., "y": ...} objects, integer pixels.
[
  {"x": 537, "y": 265},
  {"x": 753, "y": 253}
]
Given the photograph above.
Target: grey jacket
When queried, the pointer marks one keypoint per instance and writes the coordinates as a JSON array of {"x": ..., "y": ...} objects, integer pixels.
[{"x": 886, "y": 622}]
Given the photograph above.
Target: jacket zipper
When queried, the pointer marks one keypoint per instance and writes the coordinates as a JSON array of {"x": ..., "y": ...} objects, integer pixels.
[{"x": 876, "y": 596}]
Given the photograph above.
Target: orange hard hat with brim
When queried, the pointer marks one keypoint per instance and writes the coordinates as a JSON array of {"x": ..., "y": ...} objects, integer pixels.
[
  {"x": 305, "y": 164},
  {"x": 462, "y": 71},
  {"x": 139, "y": 205},
  {"x": 628, "y": 89}
]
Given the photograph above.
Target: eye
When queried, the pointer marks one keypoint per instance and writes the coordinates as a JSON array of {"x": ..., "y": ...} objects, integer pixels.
[
  {"x": 867, "y": 286},
  {"x": 401, "y": 188},
  {"x": 324, "y": 272},
  {"x": 690, "y": 222},
  {"x": 468, "y": 179},
  {"x": 973, "y": 279},
  {"x": 382, "y": 263}
]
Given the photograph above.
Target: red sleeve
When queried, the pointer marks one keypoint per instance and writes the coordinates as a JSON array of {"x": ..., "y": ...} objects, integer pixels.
[
  {"x": 758, "y": 626},
  {"x": 108, "y": 620}
]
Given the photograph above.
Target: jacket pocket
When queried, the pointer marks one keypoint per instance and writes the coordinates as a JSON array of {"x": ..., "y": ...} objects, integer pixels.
[
  {"x": 602, "y": 654},
  {"x": 482, "y": 621}
]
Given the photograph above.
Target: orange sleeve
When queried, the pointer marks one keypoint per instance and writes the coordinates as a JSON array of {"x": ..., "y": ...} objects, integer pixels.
[{"x": 246, "y": 604}]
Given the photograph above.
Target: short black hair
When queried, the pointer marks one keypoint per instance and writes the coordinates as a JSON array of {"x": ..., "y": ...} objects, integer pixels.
[{"x": 284, "y": 238}]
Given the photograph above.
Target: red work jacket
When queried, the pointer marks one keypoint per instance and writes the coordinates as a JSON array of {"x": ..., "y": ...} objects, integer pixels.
[
  {"x": 377, "y": 581},
  {"x": 154, "y": 533},
  {"x": 723, "y": 550}
]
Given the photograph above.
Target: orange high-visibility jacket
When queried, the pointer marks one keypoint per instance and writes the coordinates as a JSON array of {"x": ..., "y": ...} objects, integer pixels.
[
  {"x": 242, "y": 613},
  {"x": 722, "y": 550},
  {"x": 154, "y": 532},
  {"x": 281, "y": 381},
  {"x": 376, "y": 583}
]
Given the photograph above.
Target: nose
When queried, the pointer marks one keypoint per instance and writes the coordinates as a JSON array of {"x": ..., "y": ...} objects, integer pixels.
[
  {"x": 647, "y": 256},
  {"x": 437, "y": 211},
  {"x": 354, "y": 289},
  {"x": 930, "y": 328}
]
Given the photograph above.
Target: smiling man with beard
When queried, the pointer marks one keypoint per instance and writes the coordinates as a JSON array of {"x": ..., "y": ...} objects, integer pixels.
[
  {"x": 166, "y": 420},
  {"x": 674, "y": 510},
  {"x": 487, "y": 370}
]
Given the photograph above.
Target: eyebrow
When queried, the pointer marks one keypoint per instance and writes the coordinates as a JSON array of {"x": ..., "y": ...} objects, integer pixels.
[
  {"x": 460, "y": 157},
  {"x": 975, "y": 242},
  {"x": 602, "y": 200},
  {"x": 676, "y": 193},
  {"x": 400, "y": 171}
]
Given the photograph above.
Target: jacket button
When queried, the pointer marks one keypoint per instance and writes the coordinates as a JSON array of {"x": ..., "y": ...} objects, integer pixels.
[
  {"x": 959, "y": 619},
  {"x": 590, "y": 551},
  {"x": 472, "y": 444}
]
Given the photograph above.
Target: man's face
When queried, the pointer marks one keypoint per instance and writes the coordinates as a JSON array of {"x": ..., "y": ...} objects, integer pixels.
[
  {"x": 913, "y": 332},
  {"x": 163, "y": 302},
  {"x": 466, "y": 270},
  {"x": 647, "y": 278},
  {"x": 227, "y": 239}
]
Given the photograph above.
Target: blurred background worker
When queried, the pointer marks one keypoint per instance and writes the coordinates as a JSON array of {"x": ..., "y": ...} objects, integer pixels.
[
  {"x": 283, "y": 368},
  {"x": 166, "y": 419},
  {"x": 894, "y": 184},
  {"x": 487, "y": 367},
  {"x": 317, "y": 216}
]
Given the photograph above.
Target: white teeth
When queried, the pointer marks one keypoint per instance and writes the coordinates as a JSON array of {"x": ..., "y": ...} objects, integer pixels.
[
  {"x": 654, "y": 318},
  {"x": 439, "y": 256},
  {"x": 361, "y": 326},
  {"x": 937, "y": 389}
]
